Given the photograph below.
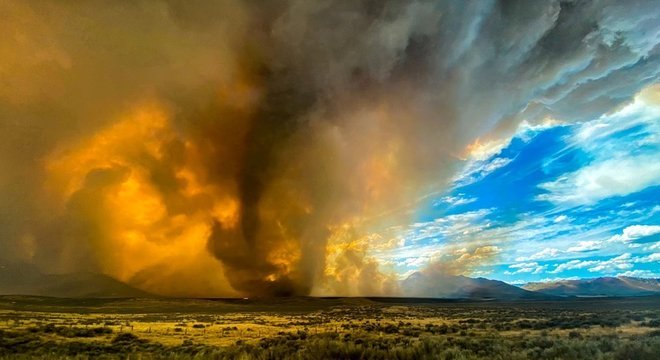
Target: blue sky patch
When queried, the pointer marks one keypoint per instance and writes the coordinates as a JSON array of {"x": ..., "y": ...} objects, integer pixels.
[{"x": 558, "y": 202}]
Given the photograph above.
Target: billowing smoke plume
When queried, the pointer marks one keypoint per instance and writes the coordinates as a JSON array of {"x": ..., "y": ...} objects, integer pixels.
[{"x": 255, "y": 147}]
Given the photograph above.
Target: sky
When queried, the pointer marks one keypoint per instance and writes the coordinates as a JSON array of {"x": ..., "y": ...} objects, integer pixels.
[
  {"x": 329, "y": 147},
  {"x": 555, "y": 201}
]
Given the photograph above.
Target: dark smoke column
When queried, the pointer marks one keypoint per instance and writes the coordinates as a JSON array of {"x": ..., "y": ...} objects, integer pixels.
[{"x": 245, "y": 250}]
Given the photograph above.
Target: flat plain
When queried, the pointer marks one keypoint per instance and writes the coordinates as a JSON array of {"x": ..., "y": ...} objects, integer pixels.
[{"x": 329, "y": 328}]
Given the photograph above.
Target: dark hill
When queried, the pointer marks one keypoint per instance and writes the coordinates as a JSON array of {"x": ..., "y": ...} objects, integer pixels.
[{"x": 25, "y": 279}]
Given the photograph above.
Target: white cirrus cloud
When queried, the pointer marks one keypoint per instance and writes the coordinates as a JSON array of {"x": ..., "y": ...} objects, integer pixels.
[
  {"x": 573, "y": 265},
  {"x": 654, "y": 257},
  {"x": 603, "y": 179},
  {"x": 639, "y": 273},
  {"x": 635, "y": 232},
  {"x": 543, "y": 254},
  {"x": 459, "y": 199},
  {"x": 653, "y": 246},
  {"x": 585, "y": 246},
  {"x": 477, "y": 170},
  {"x": 621, "y": 262},
  {"x": 526, "y": 268},
  {"x": 618, "y": 263}
]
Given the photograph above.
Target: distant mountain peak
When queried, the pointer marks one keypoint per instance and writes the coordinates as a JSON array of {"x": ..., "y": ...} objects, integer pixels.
[
  {"x": 600, "y": 286},
  {"x": 419, "y": 284}
]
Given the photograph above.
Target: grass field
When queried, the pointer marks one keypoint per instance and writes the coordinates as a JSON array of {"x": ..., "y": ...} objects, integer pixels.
[{"x": 344, "y": 328}]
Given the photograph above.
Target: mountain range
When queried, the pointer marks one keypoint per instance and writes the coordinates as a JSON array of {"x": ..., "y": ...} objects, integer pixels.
[
  {"x": 25, "y": 279},
  {"x": 419, "y": 284},
  {"x": 602, "y": 286}
]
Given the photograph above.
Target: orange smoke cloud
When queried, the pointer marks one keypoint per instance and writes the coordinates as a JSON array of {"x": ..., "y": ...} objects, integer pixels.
[
  {"x": 136, "y": 225},
  {"x": 350, "y": 269}
]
